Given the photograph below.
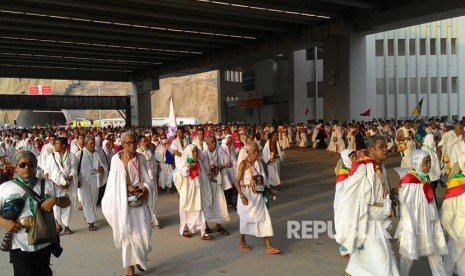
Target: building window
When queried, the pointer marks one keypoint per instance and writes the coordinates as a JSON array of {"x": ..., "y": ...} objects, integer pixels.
[
  {"x": 434, "y": 83},
  {"x": 413, "y": 85},
  {"x": 379, "y": 44},
  {"x": 443, "y": 46},
  {"x": 454, "y": 85},
  {"x": 402, "y": 85},
  {"x": 390, "y": 44},
  {"x": 411, "y": 47},
  {"x": 401, "y": 47},
  {"x": 311, "y": 53},
  {"x": 423, "y": 87},
  {"x": 233, "y": 76},
  {"x": 432, "y": 46},
  {"x": 444, "y": 85},
  {"x": 391, "y": 86},
  {"x": 379, "y": 86},
  {"x": 453, "y": 46},
  {"x": 422, "y": 46}
]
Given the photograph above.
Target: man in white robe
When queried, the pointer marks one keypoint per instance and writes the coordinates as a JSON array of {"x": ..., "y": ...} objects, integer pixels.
[
  {"x": 217, "y": 209},
  {"x": 448, "y": 143},
  {"x": 456, "y": 150},
  {"x": 161, "y": 154},
  {"x": 151, "y": 165},
  {"x": 405, "y": 136},
  {"x": 228, "y": 170},
  {"x": 420, "y": 231},
  {"x": 90, "y": 179},
  {"x": 273, "y": 156},
  {"x": 60, "y": 167},
  {"x": 178, "y": 146},
  {"x": 188, "y": 178},
  {"x": 366, "y": 192},
  {"x": 132, "y": 226},
  {"x": 453, "y": 220}
]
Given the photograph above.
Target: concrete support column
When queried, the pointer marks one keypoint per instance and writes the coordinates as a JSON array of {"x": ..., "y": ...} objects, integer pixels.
[
  {"x": 134, "y": 104},
  {"x": 141, "y": 106},
  {"x": 349, "y": 88},
  {"x": 145, "y": 108}
]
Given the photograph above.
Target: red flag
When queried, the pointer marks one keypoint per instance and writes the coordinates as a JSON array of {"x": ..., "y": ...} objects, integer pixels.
[
  {"x": 366, "y": 113},
  {"x": 306, "y": 112}
]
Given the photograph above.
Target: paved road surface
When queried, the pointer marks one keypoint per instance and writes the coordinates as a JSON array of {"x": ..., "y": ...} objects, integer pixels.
[{"x": 308, "y": 179}]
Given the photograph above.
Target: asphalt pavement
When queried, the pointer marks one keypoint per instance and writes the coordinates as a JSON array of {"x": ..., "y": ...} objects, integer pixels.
[{"x": 305, "y": 203}]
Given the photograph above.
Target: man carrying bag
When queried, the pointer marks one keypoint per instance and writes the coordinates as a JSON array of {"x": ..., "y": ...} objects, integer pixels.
[{"x": 32, "y": 242}]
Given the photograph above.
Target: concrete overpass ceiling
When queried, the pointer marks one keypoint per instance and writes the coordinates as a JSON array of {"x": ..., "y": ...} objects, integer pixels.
[{"x": 133, "y": 39}]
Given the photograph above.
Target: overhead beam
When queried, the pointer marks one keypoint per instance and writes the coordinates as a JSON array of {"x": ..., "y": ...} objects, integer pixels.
[
  {"x": 307, "y": 38},
  {"x": 117, "y": 10},
  {"x": 69, "y": 74},
  {"x": 46, "y": 49},
  {"x": 414, "y": 13},
  {"x": 58, "y": 102}
]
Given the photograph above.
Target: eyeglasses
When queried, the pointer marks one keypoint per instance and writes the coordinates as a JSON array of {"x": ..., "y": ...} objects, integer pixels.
[
  {"x": 130, "y": 143},
  {"x": 23, "y": 165}
]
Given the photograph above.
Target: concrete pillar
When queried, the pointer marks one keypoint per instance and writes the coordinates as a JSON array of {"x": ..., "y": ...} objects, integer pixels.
[
  {"x": 134, "y": 105},
  {"x": 141, "y": 104},
  {"x": 348, "y": 75}
]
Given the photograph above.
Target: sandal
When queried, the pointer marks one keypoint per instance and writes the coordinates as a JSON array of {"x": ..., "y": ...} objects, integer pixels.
[
  {"x": 68, "y": 231},
  {"x": 206, "y": 237},
  {"x": 222, "y": 231},
  {"x": 187, "y": 234},
  {"x": 245, "y": 248},
  {"x": 139, "y": 268},
  {"x": 59, "y": 228},
  {"x": 273, "y": 251},
  {"x": 92, "y": 227}
]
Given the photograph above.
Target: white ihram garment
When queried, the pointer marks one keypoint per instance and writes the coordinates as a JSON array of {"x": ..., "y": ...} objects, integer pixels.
[
  {"x": 254, "y": 217},
  {"x": 132, "y": 226}
]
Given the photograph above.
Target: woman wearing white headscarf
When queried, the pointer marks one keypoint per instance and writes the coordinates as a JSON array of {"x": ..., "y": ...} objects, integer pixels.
[
  {"x": 348, "y": 156},
  {"x": 420, "y": 232},
  {"x": 429, "y": 145},
  {"x": 188, "y": 178},
  {"x": 453, "y": 220}
]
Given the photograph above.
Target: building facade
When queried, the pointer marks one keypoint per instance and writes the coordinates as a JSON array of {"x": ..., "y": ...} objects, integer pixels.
[{"x": 390, "y": 73}]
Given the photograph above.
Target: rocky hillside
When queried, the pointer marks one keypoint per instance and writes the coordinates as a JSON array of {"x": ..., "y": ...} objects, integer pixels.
[{"x": 193, "y": 96}]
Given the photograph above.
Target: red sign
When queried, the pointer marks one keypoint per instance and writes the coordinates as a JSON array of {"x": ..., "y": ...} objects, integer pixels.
[
  {"x": 46, "y": 89},
  {"x": 40, "y": 90},
  {"x": 250, "y": 102},
  {"x": 33, "y": 90}
]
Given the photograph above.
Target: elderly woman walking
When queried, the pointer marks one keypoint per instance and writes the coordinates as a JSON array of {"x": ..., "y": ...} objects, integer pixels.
[{"x": 251, "y": 206}]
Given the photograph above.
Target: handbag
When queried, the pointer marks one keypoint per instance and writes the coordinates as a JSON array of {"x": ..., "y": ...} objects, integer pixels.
[
  {"x": 402, "y": 146},
  {"x": 43, "y": 229},
  {"x": 258, "y": 181}
]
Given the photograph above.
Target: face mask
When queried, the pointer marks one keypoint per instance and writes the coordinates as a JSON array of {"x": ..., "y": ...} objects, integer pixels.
[{"x": 163, "y": 141}]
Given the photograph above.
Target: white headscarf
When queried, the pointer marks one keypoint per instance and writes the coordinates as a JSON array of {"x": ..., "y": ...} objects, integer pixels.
[
  {"x": 104, "y": 147},
  {"x": 345, "y": 157},
  {"x": 417, "y": 157},
  {"x": 430, "y": 146},
  {"x": 187, "y": 153}
]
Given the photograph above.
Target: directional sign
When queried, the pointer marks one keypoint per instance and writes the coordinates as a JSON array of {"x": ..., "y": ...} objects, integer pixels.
[
  {"x": 40, "y": 90},
  {"x": 33, "y": 90}
]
